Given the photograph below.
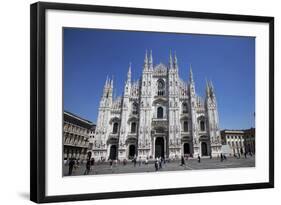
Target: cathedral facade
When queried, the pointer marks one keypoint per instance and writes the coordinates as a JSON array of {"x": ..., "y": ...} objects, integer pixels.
[{"x": 158, "y": 115}]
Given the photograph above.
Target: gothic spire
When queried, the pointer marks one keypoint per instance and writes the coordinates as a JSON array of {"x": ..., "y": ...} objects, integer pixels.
[
  {"x": 212, "y": 91},
  {"x": 111, "y": 82},
  {"x": 191, "y": 75},
  {"x": 175, "y": 61},
  {"x": 207, "y": 88},
  {"x": 211, "y": 85},
  {"x": 145, "y": 66},
  {"x": 106, "y": 86},
  {"x": 129, "y": 73},
  {"x": 150, "y": 62},
  {"x": 170, "y": 60}
]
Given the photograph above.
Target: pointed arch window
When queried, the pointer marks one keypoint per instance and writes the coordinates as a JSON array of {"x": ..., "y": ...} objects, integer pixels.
[
  {"x": 133, "y": 127},
  {"x": 115, "y": 128},
  {"x": 160, "y": 113},
  {"x": 185, "y": 126},
  {"x": 202, "y": 125},
  {"x": 184, "y": 108}
]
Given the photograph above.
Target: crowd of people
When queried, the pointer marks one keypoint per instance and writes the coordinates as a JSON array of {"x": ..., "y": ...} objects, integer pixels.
[
  {"x": 74, "y": 164},
  {"x": 158, "y": 162}
]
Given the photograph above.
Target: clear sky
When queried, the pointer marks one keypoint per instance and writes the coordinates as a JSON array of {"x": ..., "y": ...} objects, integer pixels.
[{"x": 90, "y": 55}]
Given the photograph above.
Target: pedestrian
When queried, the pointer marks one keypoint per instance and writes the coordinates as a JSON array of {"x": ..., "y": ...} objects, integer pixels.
[
  {"x": 71, "y": 165},
  {"x": 245, "y": 154},
  {"x": 156, "y": 164},
  {"x": 88, "y": 167},
  {"x": 110, "y": 163},
  {"x": 221, "y": 157},
  {"x": 160, "y": 162},
  {"x": 124, "y": 162},
  {"x": 199, "y": 159},
  {"x": 182, "y": 161},
  {"x": 135, "y": 161}
]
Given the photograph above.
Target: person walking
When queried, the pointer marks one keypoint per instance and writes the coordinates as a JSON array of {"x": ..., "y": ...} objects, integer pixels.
[
  {"x": 199, "y": 159},
  {"x": 88, "y": 167},
  {"x": 124, "y": 162},
  {"x": 135, "y": 161},
  {"x": 160, "y": 162},
  {"x": 156, "y": 164},
  {"x": 71, "y": 165},
  {"x": 221, "y": 157},
  {"x": 182, "y": 161}
]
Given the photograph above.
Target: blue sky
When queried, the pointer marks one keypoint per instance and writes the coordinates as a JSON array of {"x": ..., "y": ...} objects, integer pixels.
[{"x": 91, "y": 54}]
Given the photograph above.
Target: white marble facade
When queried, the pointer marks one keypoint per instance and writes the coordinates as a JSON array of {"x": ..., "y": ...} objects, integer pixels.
[{"x": 158, "y": 115}]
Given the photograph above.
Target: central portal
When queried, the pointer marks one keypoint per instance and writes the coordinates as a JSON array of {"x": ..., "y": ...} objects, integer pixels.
[
  {"x": 186, "y": 148},
  {"x": 159, "y": 147},
  {"x": 132, "y": 151},
  {"x": 113, "y": 152},
  {"x": 204, "y": 149}
]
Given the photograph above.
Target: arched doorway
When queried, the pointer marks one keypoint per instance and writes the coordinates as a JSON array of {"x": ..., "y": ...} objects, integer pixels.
[
  {"x": 204, "y": 149},
  {"x": 186, "y": 148},
  {"x": 113, "y": 152},
  {"x": 159, "y": 147},
  {"x": 132, "y": 151}
]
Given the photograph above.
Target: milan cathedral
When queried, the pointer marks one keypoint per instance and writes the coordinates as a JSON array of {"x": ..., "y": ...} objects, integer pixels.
[{"x": 159, "y": 115}]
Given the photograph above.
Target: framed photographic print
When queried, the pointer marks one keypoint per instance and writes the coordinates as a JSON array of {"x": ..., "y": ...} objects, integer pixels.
[{"x": 129, "y": 102}]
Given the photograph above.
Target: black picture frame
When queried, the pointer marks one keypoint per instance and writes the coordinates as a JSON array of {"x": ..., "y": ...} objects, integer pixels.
[{"x": 38, "y": 103}]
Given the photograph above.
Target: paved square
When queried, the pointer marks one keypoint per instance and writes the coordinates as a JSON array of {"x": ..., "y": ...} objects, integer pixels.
[{"x": 191, "y": 164}]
